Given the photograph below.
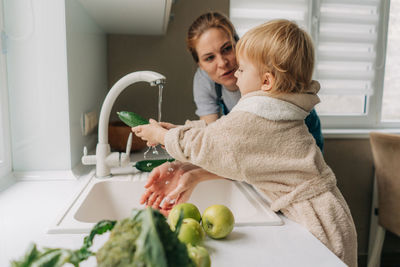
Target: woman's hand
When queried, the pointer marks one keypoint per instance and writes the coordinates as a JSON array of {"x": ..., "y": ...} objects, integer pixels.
[{"x": 153, "y": 132}]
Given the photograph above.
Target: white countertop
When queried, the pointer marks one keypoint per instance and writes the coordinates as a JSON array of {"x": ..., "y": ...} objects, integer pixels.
[{"x": 27, "y": 208}]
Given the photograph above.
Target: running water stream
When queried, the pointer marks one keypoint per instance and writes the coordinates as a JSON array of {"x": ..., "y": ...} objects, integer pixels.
[{"x": 153, "y": 149}]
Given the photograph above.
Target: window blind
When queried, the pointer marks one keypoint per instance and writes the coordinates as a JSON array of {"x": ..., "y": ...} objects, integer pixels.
[
  {"x": 345, "y": 34},
  {"x": 346, "y": 48},
  {"x": 247, "y": 14}
]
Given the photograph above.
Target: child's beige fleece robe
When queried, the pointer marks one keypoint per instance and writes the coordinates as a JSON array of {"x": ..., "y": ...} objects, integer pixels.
[{"x": 265, "y": 142}]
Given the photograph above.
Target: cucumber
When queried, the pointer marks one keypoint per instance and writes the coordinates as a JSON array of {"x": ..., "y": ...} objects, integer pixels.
[
  {"x": 149, "y": 165},
  {"x": 131, "y": 119}
]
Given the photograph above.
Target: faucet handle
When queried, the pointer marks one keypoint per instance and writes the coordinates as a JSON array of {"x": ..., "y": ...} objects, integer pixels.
[
  {"x": 129, "y": 145},
  {"x": 88, "y": 160},
  {"x": 124, "y": 157}
]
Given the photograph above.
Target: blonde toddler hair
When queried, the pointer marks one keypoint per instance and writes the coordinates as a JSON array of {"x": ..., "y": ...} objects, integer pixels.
[{"x": 283, "y": 49}]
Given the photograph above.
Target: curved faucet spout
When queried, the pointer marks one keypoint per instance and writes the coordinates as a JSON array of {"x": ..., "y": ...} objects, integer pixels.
[
  {"x": 104, "y": 159},
  {"x": 151, "y": 77}
]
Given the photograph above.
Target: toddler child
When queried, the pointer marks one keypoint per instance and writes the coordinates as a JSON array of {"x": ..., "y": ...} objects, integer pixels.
[{"x": 264, "y": 140}]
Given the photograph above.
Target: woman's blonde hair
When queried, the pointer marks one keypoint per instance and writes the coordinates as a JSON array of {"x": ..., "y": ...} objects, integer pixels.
[
  {"x": 205, "y": 22},
  {"x": 283, "y": 49}
]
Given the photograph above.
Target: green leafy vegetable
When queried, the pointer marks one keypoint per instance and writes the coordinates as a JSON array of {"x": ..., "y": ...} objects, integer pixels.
[
  {"x": 149, "y": 248},
  {"x": 120, "y": 248},
  {"x": 53, "y": 257},
  {"x": 131, "y": 119},
  {"x": 56, "y": 257},
  {"x": 99, "y": 229},
  {"x": 144, "y": 240},
  {"x": 179, "y": 222},
  {"x": 149, "y": 165},
  {"x": 31, "y": 254}
]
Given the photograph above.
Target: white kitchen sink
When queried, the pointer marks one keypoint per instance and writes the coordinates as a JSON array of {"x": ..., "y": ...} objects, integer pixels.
[{"x": 115, "y": 197}]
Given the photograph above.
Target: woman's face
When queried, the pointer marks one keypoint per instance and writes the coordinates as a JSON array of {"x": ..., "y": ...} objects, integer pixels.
[{"x": 217, "y": 57}]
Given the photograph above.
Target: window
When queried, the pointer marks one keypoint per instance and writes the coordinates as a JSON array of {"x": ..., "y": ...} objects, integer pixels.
[
  {"x": 350, "y": 45},
  {"x": 5, "y": 154},
  {"x": 391, "y": 91}
]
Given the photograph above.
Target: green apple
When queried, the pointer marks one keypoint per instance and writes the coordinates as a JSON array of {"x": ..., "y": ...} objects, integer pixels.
[
  {"x": 199, "y": 255},
  {"x": 189, "y": 211},
  {"x": 217, "y": 221},
  {"x": 191, "y": 232}
]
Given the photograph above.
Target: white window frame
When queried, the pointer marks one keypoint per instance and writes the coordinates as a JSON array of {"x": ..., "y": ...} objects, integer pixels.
[
  {"x": 5, "y": 142},
  {"x": 371, "y": 120}
]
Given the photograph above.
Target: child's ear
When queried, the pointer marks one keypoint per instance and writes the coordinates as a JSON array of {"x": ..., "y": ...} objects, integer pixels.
[{"x": 268, "y": 81}]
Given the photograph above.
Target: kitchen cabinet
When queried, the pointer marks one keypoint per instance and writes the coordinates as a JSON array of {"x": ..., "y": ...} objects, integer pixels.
[{"x": 148, "y": 17}]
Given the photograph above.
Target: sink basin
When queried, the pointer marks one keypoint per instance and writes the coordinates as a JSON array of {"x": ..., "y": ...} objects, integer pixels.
[
  {"x": 111, "y": 200},
  {"x": 114, "y": 199}
]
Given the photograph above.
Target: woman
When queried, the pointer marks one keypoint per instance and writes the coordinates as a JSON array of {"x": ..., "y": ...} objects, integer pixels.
[{"x": 211, "y": 40}]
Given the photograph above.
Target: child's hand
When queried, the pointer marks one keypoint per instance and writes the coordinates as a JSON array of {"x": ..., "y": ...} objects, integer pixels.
[
  {"x": 172, "y": 182},
  {"x": 182, "y": 198},
  {"x": 167, "y": 125},
  {"x": 153, "y": 133}
]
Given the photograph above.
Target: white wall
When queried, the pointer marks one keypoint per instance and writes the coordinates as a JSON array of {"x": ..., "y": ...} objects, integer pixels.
[
  {"x": 47, "y": 96},
  {"x": 5, "y": 148},
  {"x": 37, "y": 82},
  {"x": 87, "y": 73}
]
